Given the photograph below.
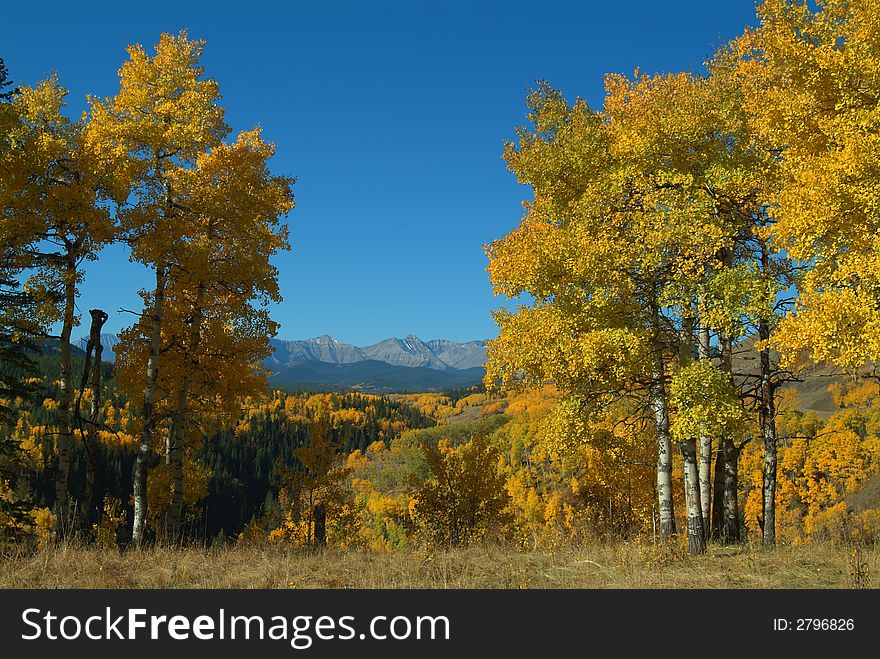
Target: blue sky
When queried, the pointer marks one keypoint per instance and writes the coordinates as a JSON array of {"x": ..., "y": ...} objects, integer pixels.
[{"x": 392, "y": 116}]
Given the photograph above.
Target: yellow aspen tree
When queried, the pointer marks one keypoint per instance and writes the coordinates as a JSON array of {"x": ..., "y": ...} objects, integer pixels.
[
  {"x": 465, "y": 499},
  {"x": 817, "y": 96},
  {"x": 812, "y": 90},
  {"x": 216, "y": 329},
  {"x": 164, "y": 116},
  {"x": 18, "y": 329},
  {"x": 319, "y": 500},
  {"x": 236, "y": 205},
  {"x": 60, "y": 206}
]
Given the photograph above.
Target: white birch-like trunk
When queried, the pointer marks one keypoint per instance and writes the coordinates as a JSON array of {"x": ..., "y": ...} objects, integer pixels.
[
  {"x": 705, "y": 468},
  {"x": 665, "y": 503},
  {"x": 141, "y": 465},
  {"x": 693, "y": 500},
  {"x": 660, "y": 407}
]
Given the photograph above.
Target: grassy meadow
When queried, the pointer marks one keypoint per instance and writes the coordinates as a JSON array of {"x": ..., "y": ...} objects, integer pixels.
[{"x": 616, "y": 565}]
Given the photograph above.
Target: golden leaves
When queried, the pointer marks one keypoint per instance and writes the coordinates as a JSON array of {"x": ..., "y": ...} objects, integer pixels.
[
  {"x": 706, "y": 403},
  {"x": 813, "y": 89}
]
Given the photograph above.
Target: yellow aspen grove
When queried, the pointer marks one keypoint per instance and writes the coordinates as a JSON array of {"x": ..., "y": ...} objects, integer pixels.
[
  {"x": 692, "y": 133},
  {"x": 163, "y": 117},
  {"x": 59, "y": 206},
  {"x": 606, "y": 248},
  {"x": 648, "y": 233}
]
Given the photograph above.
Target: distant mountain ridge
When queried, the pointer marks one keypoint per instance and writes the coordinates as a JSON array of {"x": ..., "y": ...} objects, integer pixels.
[
  {"x": 407, "y": 364},
  {"x": 438, "y": 354}
]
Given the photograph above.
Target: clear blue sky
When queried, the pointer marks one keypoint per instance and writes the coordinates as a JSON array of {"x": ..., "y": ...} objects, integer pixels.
[{"x": 391, "y": 114}]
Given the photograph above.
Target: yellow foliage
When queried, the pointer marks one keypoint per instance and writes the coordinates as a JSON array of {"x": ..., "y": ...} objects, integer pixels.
[
  {"x": 706, "y": 403},
  {"x": 196, "y": 478},
  {"x": 44, "y": 527},
  {"x": 113, "y": 518},
  {"x": 347, "y": 416},
  {"x": 465, "y": 498},
  {"x": 322, "y": 481},
  {"x": 532, "y": 401},
  {"x": 436, "y": 406}
]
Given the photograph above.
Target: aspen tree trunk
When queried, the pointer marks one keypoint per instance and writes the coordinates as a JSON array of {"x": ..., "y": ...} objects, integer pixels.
[
  {"x": 660, "y": 407},
  {"x": 176, "y": 446},
  {"x": 92, "y": 445},
  {"x": 767, "y": 419},
  {"x": 65, "y": 393},
  {"x": 664, "y": 459},
  {"x": 141, "y": 464},
  {"x": 731, "y": 531},
  {"x": 730, "y": 524},
  {"x": 169, "y": 449},
  {"x": 169, "y": 441},
  {"x": 768, "y": 433},
  {"x": 724, "y": 502},
  {"x": 191, "y": 364},
  {"x": 705, "y": 475},
  {"x": 320, "y": 515},
  {"x": 718, "y": 492},
  {"x": 693, "y": 500},
  {"x": 720, "y": 503}
]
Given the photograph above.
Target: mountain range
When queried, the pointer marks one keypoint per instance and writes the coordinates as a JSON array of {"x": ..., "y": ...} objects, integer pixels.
[
  {"x": 439, "y": 354},
  {"x": 407, "y": 364}
]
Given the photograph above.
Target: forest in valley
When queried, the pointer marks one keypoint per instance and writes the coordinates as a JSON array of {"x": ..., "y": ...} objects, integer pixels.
[{"x": 695, "y": 261}]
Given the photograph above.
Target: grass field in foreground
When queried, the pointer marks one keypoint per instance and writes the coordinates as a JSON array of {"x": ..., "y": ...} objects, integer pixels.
[{"x": 596, "y": 566}]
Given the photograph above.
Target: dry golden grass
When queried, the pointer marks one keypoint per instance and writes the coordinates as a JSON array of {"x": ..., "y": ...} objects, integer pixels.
[{"x": 597, "y": 566}]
